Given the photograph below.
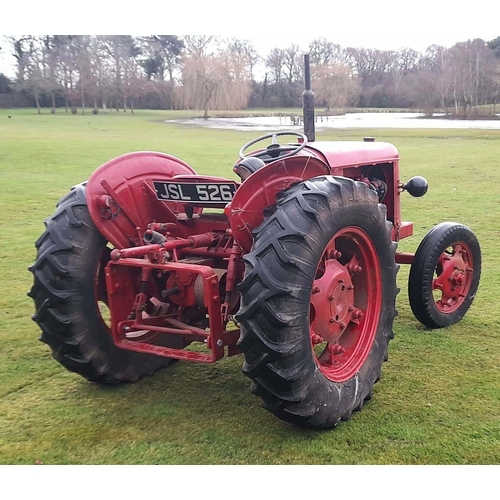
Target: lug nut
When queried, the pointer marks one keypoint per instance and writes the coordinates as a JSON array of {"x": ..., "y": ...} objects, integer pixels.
[
  {"x": 316, "y": 339},
  {"x": 338, "y": 349},
  {"x": 357, "y": 314},
  {"x": 316, "y": 289}
]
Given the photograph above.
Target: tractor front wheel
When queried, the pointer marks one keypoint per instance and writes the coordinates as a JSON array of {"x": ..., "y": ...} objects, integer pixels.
[
  {"x": 70, "y": 298},
  {"x": 318, "y": 301},
  {"x": 444, "y": 275}
]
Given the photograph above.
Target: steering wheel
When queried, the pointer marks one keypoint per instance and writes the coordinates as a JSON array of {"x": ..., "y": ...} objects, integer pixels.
[{"x": 274, "y": 149}]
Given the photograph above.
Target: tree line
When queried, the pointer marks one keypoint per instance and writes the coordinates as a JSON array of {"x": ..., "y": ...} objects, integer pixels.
[{"x": 206, "y": 72}]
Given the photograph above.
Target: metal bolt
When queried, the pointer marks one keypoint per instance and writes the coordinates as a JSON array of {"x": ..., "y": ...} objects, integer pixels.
[
  {"x": 350, "y": 287},
  {"x": 127, "y": 328},
  {"x": 357, "y": 269},
  {"x": 342, "y": 325},
  {"x": 357, "y": 314},
  {"x": 331, "y": 297},
  {"x": 332, "y": 320},
  {"x": 316, "y": 289},
  {"x": 316, "y": 339},
  {"x": 338, "y": 349},
  {"x": 219, "y": 343}
]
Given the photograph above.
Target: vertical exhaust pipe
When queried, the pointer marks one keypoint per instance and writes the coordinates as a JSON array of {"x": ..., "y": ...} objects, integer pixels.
[{"x": 308, "y": 103}]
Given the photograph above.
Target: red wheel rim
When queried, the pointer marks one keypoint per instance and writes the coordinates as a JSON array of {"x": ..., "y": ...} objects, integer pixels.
[
  {"x": 453, "y": 277},
  {"x": 345, "y": 306}
]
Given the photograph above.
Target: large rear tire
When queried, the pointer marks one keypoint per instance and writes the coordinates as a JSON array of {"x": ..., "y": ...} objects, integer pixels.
[
  {"x": 318, "y": 301},
  {"x": 68, "y": 288}
]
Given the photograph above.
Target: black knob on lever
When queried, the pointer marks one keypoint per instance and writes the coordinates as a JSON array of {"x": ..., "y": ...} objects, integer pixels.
[{"x": 417, "y": 186}]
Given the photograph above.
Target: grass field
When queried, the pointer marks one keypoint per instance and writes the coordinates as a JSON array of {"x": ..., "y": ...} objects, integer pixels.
[{"x": 437, "y": 403}]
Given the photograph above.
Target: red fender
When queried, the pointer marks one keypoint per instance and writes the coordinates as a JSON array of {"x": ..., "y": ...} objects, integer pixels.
[
  {"x": 121, "y": 198},
  {"x": 259, "y": 191}
]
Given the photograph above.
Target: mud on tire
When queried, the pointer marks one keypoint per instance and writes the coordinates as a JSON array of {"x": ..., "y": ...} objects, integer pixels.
[
  {"x": 279, "y": 313},
  {"x": 70, "y": 256}
]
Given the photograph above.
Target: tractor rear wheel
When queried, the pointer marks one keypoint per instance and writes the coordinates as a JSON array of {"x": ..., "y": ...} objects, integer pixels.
[
  {"x": 70, "y": 298},
  {"x": 444, "y": 275},
  {"x": 318, "y": 301}
]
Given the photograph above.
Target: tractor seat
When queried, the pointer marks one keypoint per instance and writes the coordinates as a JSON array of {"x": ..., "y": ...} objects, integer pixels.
[{"x": 248, "y": 166}]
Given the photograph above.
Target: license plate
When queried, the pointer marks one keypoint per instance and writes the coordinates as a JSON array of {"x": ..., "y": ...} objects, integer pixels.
[{"x": 190, "y": 192}]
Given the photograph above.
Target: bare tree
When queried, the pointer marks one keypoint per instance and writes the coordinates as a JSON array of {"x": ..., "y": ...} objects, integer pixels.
[
  {"x": 335, "y": 85},
  {"x": 200, "y": 45},
  {"x": 404, "y": 62},
  {"x": 215, "y": 75},
  {"x": 473, "y": 72},
  {"x": 27, "y": 52},
  {"x": 243, "y": 57},
  {"x": 275, "y": 61},
  {"x": 81, "y": 62},
  {"x": 292, "y": 63},
  {"x": 324, "y": 52},
  {"x": 65, "y": 71},
  {"x": 162, "y": 55}
]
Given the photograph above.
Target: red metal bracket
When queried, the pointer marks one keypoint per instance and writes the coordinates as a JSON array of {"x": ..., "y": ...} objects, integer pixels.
[{"x": 119, "y": 283}]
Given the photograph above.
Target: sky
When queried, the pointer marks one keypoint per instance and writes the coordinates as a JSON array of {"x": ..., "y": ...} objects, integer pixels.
[{"x": 382, "y": 24}]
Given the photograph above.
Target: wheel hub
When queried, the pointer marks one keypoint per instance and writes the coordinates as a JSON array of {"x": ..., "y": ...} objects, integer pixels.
[
  {"x": 333, "y": 301},
  {"x": 453, "y": 282},
  {"x": 345, "y": 303}
]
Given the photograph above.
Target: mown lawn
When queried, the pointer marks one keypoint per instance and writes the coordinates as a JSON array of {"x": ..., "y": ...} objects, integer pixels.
[{"x": 438, "y": 401}]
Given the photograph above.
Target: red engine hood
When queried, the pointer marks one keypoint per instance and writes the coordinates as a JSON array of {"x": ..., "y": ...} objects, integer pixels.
[{"x": 353, "y": 153}]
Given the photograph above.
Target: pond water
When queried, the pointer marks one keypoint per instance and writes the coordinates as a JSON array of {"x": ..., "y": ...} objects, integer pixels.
[{"x": 350, "y": 120}]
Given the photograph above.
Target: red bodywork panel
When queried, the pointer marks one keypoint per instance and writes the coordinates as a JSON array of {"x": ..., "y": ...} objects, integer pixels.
[
  {"x": 342, "y": 154},
  {"x": 346, "y": 158},
  {"x": 121, "y": 198},
  {"x": 258, "y": 192}
]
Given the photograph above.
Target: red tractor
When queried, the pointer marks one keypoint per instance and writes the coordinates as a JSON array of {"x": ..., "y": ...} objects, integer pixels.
[{"x": 294, "y": 266}]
